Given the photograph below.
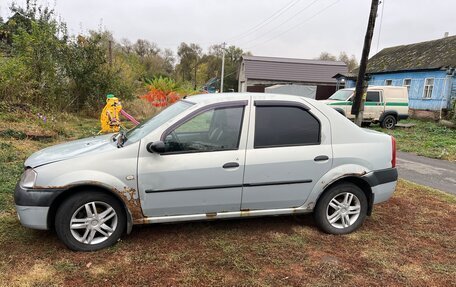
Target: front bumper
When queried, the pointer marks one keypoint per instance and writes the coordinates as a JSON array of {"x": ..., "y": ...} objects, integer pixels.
[
  {"x": 32, "y": 205},
  {"x": 33, "y": 216},
  {"x": 35, "y": 196}
]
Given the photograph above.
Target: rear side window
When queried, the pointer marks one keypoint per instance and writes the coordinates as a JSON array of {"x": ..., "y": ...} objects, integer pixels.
[
  {"x": 373, "y": 97},
  {"x": 285, "y": 126}
]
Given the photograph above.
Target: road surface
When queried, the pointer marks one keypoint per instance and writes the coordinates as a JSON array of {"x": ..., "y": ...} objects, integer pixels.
[{"x": 435, "y": 173}]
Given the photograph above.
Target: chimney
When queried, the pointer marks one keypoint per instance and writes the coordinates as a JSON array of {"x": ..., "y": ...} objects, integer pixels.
[{"x": 445, "y": 35}]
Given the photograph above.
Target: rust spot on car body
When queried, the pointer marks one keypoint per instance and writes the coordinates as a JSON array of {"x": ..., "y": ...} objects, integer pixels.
[
  {"x": 211, "y": 214},
  {"x": 128, "y": 195},
  {"x": 356, "y": 174},
  {"x": 131, "y": 199},
  {"x": 310, "y": 205},
  {"x": 245, "y": 212}
]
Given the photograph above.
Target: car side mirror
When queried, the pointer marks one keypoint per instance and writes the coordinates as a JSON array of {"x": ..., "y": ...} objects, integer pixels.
[{"x": 156, "y": 147}]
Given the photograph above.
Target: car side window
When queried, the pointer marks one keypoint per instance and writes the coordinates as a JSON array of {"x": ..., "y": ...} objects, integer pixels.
[
  {"x": 373, "y": 97},
  {"x": 278, "y": 126},
  {"x": 213, "y": 130}
]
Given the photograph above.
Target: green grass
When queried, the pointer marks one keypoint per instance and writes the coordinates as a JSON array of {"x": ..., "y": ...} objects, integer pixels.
[
  {"x": 426, "y": 138},
  {"x": 16, "y": 144}
]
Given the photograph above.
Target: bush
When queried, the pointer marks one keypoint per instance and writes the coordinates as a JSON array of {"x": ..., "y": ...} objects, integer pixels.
[{"x": 163, "y": 91}]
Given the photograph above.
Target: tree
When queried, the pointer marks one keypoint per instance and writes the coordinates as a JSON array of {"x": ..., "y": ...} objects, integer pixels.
[
  {"x": 233, "y": 56},
  {"x": 145, "y": 48},
  {"x": 325, "y": 56},
  {"x": 351, "y": 61},
  {"x": 189, "y": 57},
  {"x": 39, "y": 46}
]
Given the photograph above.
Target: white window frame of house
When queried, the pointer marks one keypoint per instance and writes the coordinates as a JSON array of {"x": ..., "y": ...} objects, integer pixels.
[
  {"x": 428, "y": 88},
  {"x": 407, "y": 86},
  {"x": 390, "y": 82}
]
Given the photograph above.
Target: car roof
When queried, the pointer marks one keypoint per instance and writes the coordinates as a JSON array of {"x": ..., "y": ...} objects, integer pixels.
[{"x": 243, "y": 96}]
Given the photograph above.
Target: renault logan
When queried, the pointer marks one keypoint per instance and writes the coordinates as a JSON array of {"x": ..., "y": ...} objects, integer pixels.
[{"x": 210, "y": 157}]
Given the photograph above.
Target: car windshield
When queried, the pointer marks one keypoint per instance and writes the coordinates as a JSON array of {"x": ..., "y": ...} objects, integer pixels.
[
  {"x": 341, "y": 95},
  {"x": 151, "y": 124}
]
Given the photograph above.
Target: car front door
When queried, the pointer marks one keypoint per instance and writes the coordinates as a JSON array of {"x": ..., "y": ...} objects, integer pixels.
[
  {"x": 289, "y": 150},
  {"x": 202, "y": 167}
]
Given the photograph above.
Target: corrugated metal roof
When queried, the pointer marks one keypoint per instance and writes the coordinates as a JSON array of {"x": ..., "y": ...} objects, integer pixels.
[{"x": 293, "y": 70}]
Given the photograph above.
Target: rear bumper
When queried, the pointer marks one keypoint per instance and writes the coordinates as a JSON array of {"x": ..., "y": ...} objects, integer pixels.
[
  {"x": 380, "y": 177},
  {"x": 402, "y": 117},
  {"x": 33, "y": 216},
  {"x": 383, "y": 192},
  {"x": 383, "y": 184}
]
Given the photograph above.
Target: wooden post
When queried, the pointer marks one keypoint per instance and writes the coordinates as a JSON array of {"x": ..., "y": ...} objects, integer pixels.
[
  {"x": 196, "y": 70},
  {"x": 361, "y": 84},
  {"x": 110, "y": 53}
]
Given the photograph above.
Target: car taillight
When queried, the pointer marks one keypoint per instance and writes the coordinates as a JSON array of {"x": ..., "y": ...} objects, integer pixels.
[{"x": 393, "y": 152}]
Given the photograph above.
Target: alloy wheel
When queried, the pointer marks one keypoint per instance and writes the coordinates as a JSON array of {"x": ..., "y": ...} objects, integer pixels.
[
  {"x": 93, "y": 222},
  {"x": 343, "y": 210}
]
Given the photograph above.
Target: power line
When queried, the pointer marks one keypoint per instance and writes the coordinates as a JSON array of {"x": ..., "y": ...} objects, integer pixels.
[
  {"x": 284, "y": 22},
  {"x": 295, "y": 26},
  {"x": 266, "y": 21}
]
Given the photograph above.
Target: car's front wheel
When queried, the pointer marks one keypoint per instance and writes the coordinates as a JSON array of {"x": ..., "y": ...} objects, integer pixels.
[
  {"x": 341, "y": 209},
  {"x": 89, "y": 221}
]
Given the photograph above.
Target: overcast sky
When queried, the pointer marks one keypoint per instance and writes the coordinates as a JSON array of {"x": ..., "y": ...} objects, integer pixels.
[{"x": 305, "y": 29}]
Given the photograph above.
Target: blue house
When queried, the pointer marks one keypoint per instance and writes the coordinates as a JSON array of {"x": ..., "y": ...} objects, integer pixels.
[{"x": 427, "y": 69}]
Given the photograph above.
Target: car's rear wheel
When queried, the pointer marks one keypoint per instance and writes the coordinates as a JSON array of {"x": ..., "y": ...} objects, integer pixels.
[
  {"x": 389, "y": 122},
  {"x": 90, "y": 221},
  {"x": 341, "y": 209}
]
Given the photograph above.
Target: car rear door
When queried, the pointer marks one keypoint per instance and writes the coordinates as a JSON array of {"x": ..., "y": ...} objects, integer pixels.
[
  {"x": 288, "y": 151},
  {"x": 373, "y": 106},
  {"x": 202, "y": 168}
]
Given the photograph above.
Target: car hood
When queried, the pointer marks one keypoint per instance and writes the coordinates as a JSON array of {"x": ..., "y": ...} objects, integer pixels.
[{"x": 69, "y": 150}]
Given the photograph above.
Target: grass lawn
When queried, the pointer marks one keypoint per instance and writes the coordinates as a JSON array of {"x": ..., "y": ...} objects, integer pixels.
[
  {"x": 426, "y": 138},
  {"x": 408, "y": 241}
]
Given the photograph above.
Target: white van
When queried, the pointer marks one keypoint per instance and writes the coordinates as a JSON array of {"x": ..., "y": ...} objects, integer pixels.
[{"x": 384, "y": 104}]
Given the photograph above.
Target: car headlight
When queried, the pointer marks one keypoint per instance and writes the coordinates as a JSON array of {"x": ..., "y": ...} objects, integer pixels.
[{"x": 28, "y": 178}]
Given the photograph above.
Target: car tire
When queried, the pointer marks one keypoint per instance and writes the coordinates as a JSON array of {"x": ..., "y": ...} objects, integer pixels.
[
  {"x": 388, "y": 122},
  {"x": 89, "y": 221},
  {"x": 345, "y": 199}
]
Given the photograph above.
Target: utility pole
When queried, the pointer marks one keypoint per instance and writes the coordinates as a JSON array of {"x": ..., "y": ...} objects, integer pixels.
[
  {"x": 223, "y": 67},
  {"x": 361, "y": 84}
]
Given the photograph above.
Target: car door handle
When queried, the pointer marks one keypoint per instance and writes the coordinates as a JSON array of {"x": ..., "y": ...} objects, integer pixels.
[
  {"x": 231, "y": 165},
  {"x": 321, "y": 158}
]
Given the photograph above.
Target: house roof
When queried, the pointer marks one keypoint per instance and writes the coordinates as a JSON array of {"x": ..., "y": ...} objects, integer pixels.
[
  {"x": 345, "y": 76},
  {"x": 292, "y": 70},
  {"x": 434, "y": 54}
]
